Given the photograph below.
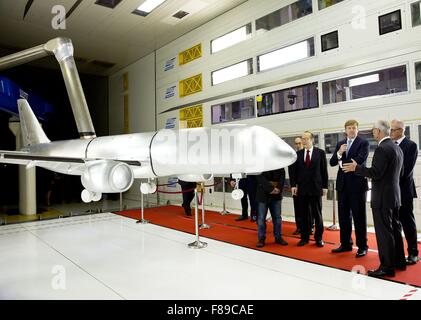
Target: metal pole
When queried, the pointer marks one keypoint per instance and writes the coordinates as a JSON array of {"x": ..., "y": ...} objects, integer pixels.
[
  {"x": 197, "y": 244},
  {"x": 334, "y": 226},
  {"x": 224, "y": 210},
  {"x": 142, "y": 221},
  {"x": 62, "y": 49},
  {"x": 121, "y": 201},
  {"x": 203, "y": 225}
]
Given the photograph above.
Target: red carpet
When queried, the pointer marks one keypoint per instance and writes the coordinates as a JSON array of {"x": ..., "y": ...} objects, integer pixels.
[{"x": 244, "y": 233}]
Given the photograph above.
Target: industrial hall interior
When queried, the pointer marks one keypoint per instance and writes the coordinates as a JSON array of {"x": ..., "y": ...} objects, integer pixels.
[{"x": 186, "y": 150}]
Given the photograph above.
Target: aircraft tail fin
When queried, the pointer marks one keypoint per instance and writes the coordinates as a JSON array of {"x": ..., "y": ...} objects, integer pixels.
[{"x": 32, "y": 132}]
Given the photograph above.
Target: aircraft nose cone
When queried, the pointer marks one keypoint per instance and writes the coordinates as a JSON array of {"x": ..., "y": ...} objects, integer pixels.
[{"x": 275, "y": 152}]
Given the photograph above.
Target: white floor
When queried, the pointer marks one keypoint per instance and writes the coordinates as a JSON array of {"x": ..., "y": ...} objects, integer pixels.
[{"x": 104, "y": 256}]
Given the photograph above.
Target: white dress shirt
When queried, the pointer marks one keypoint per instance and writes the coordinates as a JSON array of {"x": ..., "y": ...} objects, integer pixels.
[
  {"x": 305, "y": 153},
  {"x": 398, "y": 142}
]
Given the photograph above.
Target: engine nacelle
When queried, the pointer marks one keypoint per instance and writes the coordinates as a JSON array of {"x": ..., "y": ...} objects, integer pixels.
[
  {"x": 107, "y": 176},
  {"x": 195, "y": 177}
]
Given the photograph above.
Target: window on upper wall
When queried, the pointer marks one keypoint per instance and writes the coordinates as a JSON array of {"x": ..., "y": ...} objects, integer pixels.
[
  {"x": 327, "y": 3},
  {"x": 330, "y": 41},
  {"x": 231, "y": 38},
  {"x": 331, "y": 140},
  {"x": 377, "y": 83},
  {"x": 416, "y": 13},
  {"x": 235, "y": 71},
  {"x": 390, "y": 22},
  {"x": 283, "y": 56},
  {"x": 231, "y": 111},
  {"x": 287, "y": 100},
  {"x": 284, "y": 15},
  {"x": 418, "y": 74}
]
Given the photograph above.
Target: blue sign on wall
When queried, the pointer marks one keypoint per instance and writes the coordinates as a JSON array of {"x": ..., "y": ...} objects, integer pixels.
[
  {"x": 169, "y": 65},
  {"x": 170, "y": 92},
  {"x": 170, "y": 124}
]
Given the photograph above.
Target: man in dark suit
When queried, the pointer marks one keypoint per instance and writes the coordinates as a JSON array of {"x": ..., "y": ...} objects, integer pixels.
[
  {"x": 248, "y": 185},
  {"x": 308, "y": 179},
  {"x": 352, "y": 190},
  {"x": 407, "y": 185},
  {"x": 386, "y": 169}
]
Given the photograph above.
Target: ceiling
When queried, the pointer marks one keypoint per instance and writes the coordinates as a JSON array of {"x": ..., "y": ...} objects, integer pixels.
[{"x": 105, "y": 39}]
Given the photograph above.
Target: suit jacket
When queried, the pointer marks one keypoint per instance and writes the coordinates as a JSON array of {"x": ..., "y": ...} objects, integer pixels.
[
  {"x": 385, "y": 172},
  {"x": 265, "y": 185},
  {"x": 310, "y": 181},
  {"x": 410, "y": 155},
  {"x": 350, "y": 182}
]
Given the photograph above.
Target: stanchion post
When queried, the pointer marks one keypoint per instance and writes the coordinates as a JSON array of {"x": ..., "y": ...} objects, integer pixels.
[
  {"x": 142, "y": 220},
  {"x": 121, "y": 201},
  {"x": 334, "y": 226},
  {"x": 196, "y": 244},
  {"x": 224, "y": 210},
  {"x": 203, "y": 225}
]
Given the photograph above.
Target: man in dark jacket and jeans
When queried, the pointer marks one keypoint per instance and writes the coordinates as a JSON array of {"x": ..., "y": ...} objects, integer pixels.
[{"x": 269, "y": 195}]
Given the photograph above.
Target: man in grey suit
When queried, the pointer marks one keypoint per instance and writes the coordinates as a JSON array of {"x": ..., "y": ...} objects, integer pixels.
[{"x": 385, "y": 172}]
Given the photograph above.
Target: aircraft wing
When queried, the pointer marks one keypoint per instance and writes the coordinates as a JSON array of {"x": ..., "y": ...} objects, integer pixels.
[{"x": 67, "y": 165}]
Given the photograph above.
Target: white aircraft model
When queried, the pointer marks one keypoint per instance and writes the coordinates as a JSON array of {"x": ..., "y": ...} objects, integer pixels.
[{"x": 110, "y": 164}]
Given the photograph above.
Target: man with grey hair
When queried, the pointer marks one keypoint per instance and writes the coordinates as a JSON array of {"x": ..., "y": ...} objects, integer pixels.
[
  {"x": 407, "y": 185},
  {"x": 386, "y": 169}
]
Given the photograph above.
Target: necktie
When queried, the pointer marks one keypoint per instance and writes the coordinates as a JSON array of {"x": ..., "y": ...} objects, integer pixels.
[
  {"x": 397, "y": 142},
  {"x": 348, "y": 146},
  {"x": 308, "y": 159}
]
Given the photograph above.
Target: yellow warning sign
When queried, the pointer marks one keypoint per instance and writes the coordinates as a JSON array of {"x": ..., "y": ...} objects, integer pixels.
[
  {"x": 191, "y": 117},
  {"x": 190, "y": 54},
  {"x": 190, "y": 85}
]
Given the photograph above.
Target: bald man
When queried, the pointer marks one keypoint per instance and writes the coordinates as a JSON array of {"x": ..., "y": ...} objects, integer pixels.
[{"x": 407, "y": 185}]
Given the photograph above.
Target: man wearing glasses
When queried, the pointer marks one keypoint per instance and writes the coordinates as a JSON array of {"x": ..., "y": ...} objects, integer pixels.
[
  {"x": 407, "y": 185},
  {"x": 385, "y": 172}
]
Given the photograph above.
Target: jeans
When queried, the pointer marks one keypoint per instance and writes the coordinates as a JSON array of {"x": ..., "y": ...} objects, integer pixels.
[{"x": 275, "y": 211}]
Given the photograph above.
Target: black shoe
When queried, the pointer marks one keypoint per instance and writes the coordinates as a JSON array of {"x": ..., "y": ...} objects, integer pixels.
[
  {"x": 361, "y": 253},
  {"x": 296, "y": 232},
  {"x": 302, "y": 243},
  {"x": 253, "y": 219},
  {"x": 281, "y": 241},
  {"x": 241, "y": 218},
  {"x": 260, "y": 243},
  {"x": 341, "y": 249},
  {"x": 381, "y": 272},
  {"x": 188, "y": 214},
  {"x": 320, "y": 243},
  {"x": 412, "y": 259}
]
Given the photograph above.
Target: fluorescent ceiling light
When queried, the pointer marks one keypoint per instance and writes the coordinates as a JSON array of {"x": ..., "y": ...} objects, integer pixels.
[
  {"x": 149, "y": 5},
  {"x": 283, "y": 56},
  {"x": 230, "y": 39},
  {"x": 233, "y": 72},
  {"x": 364, "y": 80}
]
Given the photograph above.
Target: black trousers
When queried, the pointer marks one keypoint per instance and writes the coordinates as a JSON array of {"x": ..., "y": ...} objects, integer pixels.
[
  {"x": 407, "y": 219},
  {"x": 187, "y": 196},
  {"x": 248, "y": 185},
  {"x": 389, "y": 237},
  {"x": 311, "y": 207},
  {"x": 352, "y": 206}
]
